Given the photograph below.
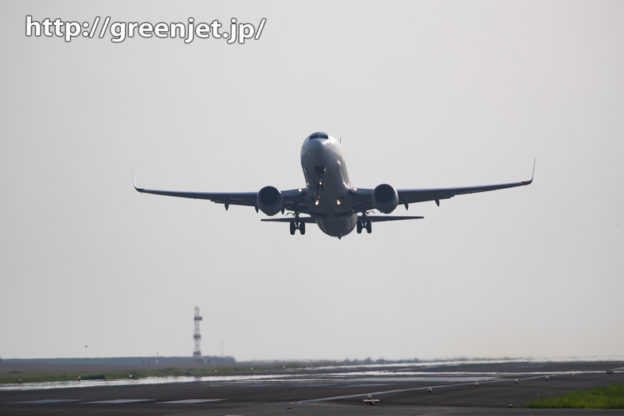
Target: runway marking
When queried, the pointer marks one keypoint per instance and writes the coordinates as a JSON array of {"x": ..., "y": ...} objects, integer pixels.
[
  {"x": 49, "y": 401},
  {"x": 119, "y": 401},
  {"x": 379, "y": 393},
  {"x": 192, "y": 401},
  {"x": 435, "y": 387}
]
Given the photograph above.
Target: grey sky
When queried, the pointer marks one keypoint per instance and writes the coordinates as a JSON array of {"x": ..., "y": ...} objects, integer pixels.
[{"x": 422, "y": 94}]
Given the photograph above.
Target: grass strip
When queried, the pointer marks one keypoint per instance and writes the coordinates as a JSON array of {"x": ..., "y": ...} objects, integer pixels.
[{"x": 603, "y": 397}]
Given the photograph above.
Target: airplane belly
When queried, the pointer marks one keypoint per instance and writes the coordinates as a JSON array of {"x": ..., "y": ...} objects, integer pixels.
[
  {"x": 327, "y": 187},
  {"x": 337, "y": 226}
]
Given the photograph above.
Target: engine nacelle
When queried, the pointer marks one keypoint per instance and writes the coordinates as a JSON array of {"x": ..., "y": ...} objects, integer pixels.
[
  {"x": 385, "y": 198},
  {"x": 269, "y": 200}
]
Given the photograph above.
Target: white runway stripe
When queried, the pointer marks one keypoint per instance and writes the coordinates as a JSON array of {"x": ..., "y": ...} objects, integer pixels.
[
  {"x": 379, "y": 393},
  {"x": 49, "y": 401},
  {"x": 192, "y": 401},
  {"x": 119, "y": 401}
]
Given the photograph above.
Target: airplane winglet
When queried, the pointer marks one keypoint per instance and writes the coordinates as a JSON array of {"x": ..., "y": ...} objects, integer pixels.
[
  {"x": 532, "y": 173},
  {"x": 134, "y": 182}
]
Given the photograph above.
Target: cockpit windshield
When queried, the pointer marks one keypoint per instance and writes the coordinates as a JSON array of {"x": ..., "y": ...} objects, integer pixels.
[{"x": 318, "y": 135}]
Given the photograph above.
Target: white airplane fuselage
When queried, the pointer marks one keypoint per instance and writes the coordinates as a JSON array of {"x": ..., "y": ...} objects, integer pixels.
[{"x": 328, "y": 186}]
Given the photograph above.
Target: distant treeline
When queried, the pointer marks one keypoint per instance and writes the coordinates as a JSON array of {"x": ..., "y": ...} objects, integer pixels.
[
  {"x": 377, "y": 361},
  {"x": 121, "y": 361},
  {"x": 227, "y": 360}
]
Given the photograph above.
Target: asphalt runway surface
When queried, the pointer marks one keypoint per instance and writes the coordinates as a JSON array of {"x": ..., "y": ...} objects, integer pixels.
[{"x": 491, "y": 388}]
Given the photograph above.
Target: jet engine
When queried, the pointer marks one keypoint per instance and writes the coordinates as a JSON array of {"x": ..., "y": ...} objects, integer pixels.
[
  {"x": 269, "y": 200},
  {"x": 385, "y": 198}
]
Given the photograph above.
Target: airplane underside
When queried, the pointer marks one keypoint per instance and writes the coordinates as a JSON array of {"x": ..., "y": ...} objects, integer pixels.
[{"x": 339, "y": 226}]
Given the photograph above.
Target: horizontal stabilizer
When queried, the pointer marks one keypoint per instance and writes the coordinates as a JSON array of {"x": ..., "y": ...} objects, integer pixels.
[
  {"x": 379, "y": 218},
  {"x": 308, "y": 220}
]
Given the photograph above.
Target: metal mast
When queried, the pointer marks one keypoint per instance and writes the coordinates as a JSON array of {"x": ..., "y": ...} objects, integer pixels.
[{"x": 196, "y": 334}]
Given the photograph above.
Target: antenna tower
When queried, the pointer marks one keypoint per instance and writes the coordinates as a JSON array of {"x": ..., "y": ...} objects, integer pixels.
[{"x": 196, "y": 334}]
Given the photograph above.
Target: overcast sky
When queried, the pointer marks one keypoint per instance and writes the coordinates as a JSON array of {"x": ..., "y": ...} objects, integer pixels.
[{"x": 423, "y": 94}]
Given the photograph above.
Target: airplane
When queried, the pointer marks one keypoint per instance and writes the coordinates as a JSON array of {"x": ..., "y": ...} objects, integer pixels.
[{"x": 328, "y": 199}]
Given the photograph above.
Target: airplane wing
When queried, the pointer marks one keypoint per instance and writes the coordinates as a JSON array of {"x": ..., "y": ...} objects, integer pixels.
[
  {"x": 293, "y": 198},
  {"x": 409, "y": 196},
  {"x": 364, "y": 202},
  {"x": 379, "y": 218},
  {"x": 308, "y": 220},
  {"x": 371, "y": 218}
]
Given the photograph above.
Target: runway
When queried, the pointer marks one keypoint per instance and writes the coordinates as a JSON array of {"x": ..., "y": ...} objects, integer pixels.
[{"x": 487, "y": 388}]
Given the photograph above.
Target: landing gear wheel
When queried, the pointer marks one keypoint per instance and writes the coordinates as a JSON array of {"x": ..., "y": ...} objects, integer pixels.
[
  {"x": 363, "y": 222},
  {"x": 297, "y": 224}
]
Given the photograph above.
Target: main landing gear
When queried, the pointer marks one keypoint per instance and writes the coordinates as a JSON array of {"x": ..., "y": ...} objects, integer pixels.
[
  {"x": 297, "y": 224},
  {"x": 363, "y": 222}
]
